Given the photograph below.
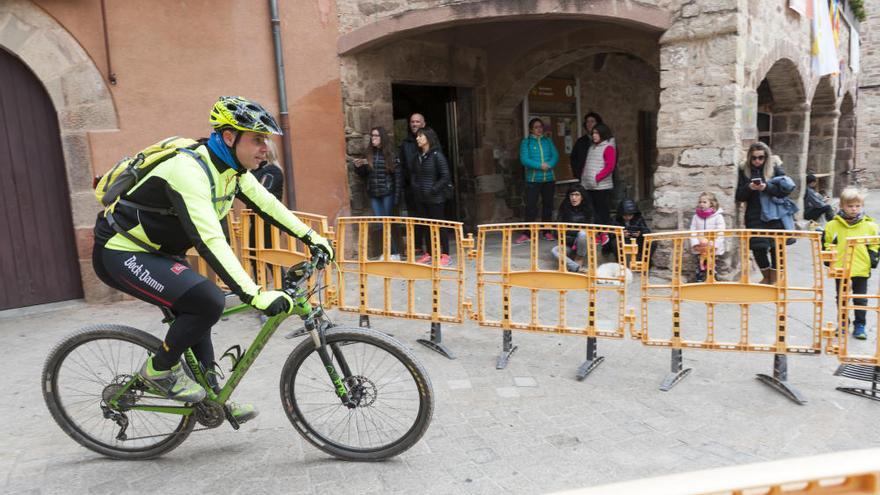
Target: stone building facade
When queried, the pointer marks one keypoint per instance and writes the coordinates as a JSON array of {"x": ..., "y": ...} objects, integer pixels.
[
  {"x": 868, "y": 121},
  {"x": 704, "y": 68}
]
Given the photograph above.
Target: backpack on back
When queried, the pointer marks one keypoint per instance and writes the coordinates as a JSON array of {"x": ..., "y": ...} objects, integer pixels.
[{"x": 129, "y": 171}]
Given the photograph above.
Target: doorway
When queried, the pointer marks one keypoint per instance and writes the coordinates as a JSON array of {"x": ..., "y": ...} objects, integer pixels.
[
  {"x": 449, "y": 111},
  {"x": 36, "y": 227}
]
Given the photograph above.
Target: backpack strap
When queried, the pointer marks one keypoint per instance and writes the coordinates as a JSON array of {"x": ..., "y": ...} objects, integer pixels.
[
  {"x": 201, "y": 161},
  {"x": 119, "y": 230}
]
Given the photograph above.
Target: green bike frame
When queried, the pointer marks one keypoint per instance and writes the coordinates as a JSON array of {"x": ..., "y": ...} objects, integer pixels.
[{"x": 301, "y": 307}]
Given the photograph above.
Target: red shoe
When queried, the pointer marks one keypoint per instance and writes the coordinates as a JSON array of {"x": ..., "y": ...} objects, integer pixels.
[
  {"x": 444, "y": 260},
  {"x": 522, "y": 239},
  {"x": 549, "y": 236},
  {"x": 425, "y": 259}
]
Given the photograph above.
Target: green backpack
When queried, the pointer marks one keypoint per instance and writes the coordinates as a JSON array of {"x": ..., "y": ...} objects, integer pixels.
[
  {"x": 129, "y": 171},
  {"x": 125, "y": 175}
]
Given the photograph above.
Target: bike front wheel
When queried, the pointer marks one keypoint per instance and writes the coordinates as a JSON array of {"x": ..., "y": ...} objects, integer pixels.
[
  {"x": 392, "y": 398},
  {"x": 90, "y": 367}
]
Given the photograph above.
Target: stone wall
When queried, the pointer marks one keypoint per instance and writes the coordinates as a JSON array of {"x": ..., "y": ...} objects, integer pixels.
[{"x": 868, "y": 109}]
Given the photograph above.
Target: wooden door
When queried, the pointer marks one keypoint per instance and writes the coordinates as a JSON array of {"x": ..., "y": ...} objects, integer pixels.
[{"x": 38, "y": 260}]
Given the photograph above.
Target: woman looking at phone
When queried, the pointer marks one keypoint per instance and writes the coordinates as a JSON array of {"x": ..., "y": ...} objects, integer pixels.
[{"x": 758, "y": 177}]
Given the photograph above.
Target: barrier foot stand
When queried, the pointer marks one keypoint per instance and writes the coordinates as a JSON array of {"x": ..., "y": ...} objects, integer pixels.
[
  {"x": 507, "y": 350},
  {"x": 677, "y": 371},
  {"x": 864, "y": 373},
  {"x": 364, "y": 321},
  {"x": 593, "y": 360},
  {"x": 436, "y": 342},
  {"x": 779, "y": 379}
]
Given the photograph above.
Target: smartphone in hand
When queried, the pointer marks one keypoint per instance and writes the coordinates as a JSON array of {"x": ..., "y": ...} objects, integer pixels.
[{"x": 757, "y": 181}]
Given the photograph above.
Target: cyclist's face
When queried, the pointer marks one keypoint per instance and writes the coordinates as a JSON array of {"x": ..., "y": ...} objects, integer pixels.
[{"x": 252, "y": 149}]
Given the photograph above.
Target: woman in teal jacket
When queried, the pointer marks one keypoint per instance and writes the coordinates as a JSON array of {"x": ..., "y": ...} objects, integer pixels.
[{"x": 539, "y": 157}]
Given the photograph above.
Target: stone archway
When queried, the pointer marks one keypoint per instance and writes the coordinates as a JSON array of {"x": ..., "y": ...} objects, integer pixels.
[
  {"x": 823, "y": 133},
  {"x": 789, "y": 116},
  {"x": 403, "y": 24},
  {"x": 82, "y": 101},
  {"x": 844, "y": 157}
]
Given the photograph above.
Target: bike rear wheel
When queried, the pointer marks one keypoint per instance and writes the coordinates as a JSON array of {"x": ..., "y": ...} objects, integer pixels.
[
  {"x": 89, "y": 367},
  {"x": 393, "y": 395}
]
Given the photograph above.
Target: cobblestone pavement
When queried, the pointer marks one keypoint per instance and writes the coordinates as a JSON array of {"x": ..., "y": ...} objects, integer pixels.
[{"x": 530, "y": 428}]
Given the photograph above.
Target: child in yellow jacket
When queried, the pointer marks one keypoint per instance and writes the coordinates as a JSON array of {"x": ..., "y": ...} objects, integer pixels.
[{"x": 851, "y": 221}]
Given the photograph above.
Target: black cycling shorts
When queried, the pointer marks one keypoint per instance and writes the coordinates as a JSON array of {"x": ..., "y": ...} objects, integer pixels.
[{"x": 155, "y": 279}]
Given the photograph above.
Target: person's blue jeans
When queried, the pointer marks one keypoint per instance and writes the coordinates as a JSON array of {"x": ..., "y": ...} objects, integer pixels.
[{"x": 382, "y": 207}]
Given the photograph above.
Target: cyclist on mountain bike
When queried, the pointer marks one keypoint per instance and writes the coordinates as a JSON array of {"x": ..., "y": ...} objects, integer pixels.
[{"x": 141, "y": 249}]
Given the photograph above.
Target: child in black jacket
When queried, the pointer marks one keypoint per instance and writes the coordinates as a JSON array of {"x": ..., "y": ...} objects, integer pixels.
[{"x": 634, "y": 227}]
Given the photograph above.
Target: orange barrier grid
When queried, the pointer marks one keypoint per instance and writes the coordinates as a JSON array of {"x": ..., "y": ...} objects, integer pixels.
[
  {"x": 232, "y": 229},
  {"x": 383, "y": 270},
  {"x": 698, "y": 284},
  {"x": 855, "y": 472},
  {"x": 266, "y": 251},
  {"x": 859, "y": 354},
  {"x": 550, "y": 278}
]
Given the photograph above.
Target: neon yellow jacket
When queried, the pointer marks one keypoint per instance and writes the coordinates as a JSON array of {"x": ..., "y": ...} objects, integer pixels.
[
  {"x": 181, "y": 183},
  {"x": 838, "y": 230}
]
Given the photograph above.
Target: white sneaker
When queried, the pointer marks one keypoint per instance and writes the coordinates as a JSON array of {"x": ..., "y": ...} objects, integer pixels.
[{"x": 395, "y": 257}]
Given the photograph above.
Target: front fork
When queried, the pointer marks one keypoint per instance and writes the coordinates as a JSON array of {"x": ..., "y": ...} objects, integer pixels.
[{"x": 324, "y": 351}]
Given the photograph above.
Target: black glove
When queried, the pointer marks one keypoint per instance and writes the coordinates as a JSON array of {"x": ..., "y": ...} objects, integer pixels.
[
  {"x": 272, "y": 302},
  {"x": 875, "y": 257},
  {"x": 315, "y": 241}
]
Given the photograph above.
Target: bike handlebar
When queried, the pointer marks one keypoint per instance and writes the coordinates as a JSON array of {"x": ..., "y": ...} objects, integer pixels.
[{"x": 301, "y": 271}]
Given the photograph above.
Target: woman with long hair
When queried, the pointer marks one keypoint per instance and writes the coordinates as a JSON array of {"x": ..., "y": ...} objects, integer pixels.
[
  {"x": 384, "y": 177},
  {"x": 758, "y": 178},
  {"x": 430, "y": 179}
]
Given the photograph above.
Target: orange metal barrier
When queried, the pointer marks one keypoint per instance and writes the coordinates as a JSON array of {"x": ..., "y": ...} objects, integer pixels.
[
  {"x": 860, "y": 360},
  {"x": 266, "y": 256},
  {"x": 531, "y": 269},
  {"x": 395, "y": 284},
  {"x": 855, "y": 472},
  {"x": 733, "y": 298}
]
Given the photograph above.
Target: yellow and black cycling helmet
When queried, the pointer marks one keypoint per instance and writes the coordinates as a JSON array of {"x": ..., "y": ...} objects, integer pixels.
[{"x": 244, "y": 115}]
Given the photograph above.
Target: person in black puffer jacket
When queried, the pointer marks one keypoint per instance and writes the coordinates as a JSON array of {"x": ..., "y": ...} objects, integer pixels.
[
  {"x": 429, "y": 180},
  {"x": 574, "y": 209},
  {"x": 634, "y": 228},
  {"x": 383, "y": 175},
  {"x": 755, "y": 180}
]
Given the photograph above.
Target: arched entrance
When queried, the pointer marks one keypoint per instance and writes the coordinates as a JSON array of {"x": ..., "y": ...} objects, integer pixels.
[
  {"x": 823, "y": 133},
  {"x": 36, "y": 230},
  {"x": 782, "y": 117},
  {"x": 485, "y": 58},
  {"x": 81, "y": 102}
]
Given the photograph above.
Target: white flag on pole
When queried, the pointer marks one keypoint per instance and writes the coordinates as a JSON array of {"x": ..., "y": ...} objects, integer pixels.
[{"x": 823, "y": 52}]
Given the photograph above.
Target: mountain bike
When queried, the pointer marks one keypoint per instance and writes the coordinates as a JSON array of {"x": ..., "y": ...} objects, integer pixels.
[{"x": 354, "y": 393}]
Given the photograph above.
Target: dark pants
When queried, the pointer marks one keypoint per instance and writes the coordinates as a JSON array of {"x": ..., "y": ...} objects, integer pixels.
[
  {"x": 765, "y": 258},
  {"x": 544, "y": 191},
  {"x": 414, "y": 210},
  {"x": 816, "y": 212},
  {"x": 434, "y": 211},
  {"x": 196, "y": 302},
  {"x": 859, "y": 286},
  {"x": 601, "y": 204}
]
